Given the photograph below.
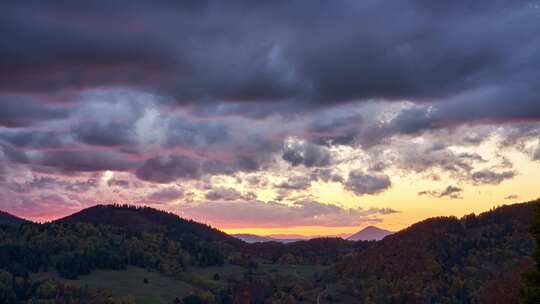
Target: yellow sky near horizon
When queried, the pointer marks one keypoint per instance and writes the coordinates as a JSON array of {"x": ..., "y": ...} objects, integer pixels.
[{"x": 403, "y": 196}]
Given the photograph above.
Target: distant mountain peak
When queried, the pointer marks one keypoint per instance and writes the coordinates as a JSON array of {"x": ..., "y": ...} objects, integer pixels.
[{"x": 370, "y": 233}]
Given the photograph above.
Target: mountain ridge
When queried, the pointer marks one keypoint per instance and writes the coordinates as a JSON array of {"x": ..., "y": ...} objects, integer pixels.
[
  {"x": 142, "y": 219},
  {"x": 7, "y": 218},
  {"x": 476, "y": 248}
]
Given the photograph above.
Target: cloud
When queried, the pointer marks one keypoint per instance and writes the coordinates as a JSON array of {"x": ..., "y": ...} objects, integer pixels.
[
  {"x": 271, "y": 214},
  {"x": 165, "y": 195},
  {"x": 432, "y": 158},
  {"x": 122, "y": 183},
  {"x": 19, "y": 111},
  {"x": 34, "y": 139},
  {"x": 326, "y": 175},
  {"x": 279, "y": 57},
  {"x": 78, "y": 161},
  {"x": 303, "y": 153},
  {"x": 81, "y": 186},
  {"x": 487, "y": 176},
  {"x": 41, "y": 182},
  {"x": 188, "y": 90},
  {"x": 256, "y": 180},
  {"x": 536, "y": 155},
  {"x": 113, "y": 134},
  {"x": 512, "y": 197},
  {"x": 165, "y": 169},
  {"x": 2, "y": 172},
  {"x": 452, "y": 192},
  {"x": 228, "y": 194},
  {"x": 54, "y": 184},
  {"x": 360, "y": 183},
  {"x": 295, "y": 183},
  {"x": 183, "y": 131}
]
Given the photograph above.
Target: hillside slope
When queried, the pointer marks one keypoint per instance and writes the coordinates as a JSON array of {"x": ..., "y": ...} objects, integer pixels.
[
  {"x": 142, "y": 219},
  {"x": 445, "y": 259},
  {"x": 9, "y": 219}
]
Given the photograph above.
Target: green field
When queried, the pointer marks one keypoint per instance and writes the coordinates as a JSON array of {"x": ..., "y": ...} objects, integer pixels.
[
  {"x": 163, "y": 289},
  {"x": 159, "y": 289}
]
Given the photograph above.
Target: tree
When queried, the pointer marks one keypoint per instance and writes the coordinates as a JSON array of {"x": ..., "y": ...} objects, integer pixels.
[
  {"x": 531, "y": 292},
  {"x": 6, "y": 287}
]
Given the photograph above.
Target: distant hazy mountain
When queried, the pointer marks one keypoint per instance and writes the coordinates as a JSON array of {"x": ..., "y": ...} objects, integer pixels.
[
  {"x": 369, "y": 233},
  {"x": 8, "y": 219},
  {"x": 253, "y": 238}
]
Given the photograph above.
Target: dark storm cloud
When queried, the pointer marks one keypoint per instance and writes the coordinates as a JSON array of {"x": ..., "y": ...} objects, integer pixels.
[
  {"x": 206, "y": 66},
  {"x": 503, "y": 103},
  {"x": 69, "y": 161},
  {"x": 83, "y": 161},
  {"x": 169, "y": 168},
  {"x": 126, "y": 119},
  {"x": 166, "y": 169},
  {"x": 307, "y": 154},
  {"x": 110, "y": 134},
  {"x": 183, "y": 132},
  {"x": 33, "y": 139},
  {"x": 340, "y": 129},
  {"x": 18, "y": 111},
  {"x": 474, "y": 55},
  {"x": 361, "y": 183}
]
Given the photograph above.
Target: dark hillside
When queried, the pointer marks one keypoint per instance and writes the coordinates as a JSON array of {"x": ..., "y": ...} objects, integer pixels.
[
  {"x": 144, "y": 219},
  {"x": 9, "y": 219},
  {"x": 320, "y": 251},
  {"x": 442, "y": 259}
]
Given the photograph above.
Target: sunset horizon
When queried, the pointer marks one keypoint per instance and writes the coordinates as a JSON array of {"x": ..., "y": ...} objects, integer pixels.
[{"x": 265, "y": 137}]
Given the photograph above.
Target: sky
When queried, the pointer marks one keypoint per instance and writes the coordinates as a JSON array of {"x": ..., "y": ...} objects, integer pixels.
[{"x": 294, "y": 117}]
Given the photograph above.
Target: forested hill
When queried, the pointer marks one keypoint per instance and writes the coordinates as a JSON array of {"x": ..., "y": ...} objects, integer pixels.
[
  {"x": 143, "y": 219},
  {"x": 9, "y": 219},
  {"x": 443, "y": 260},
  {"x": 475, "y": 259}
]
